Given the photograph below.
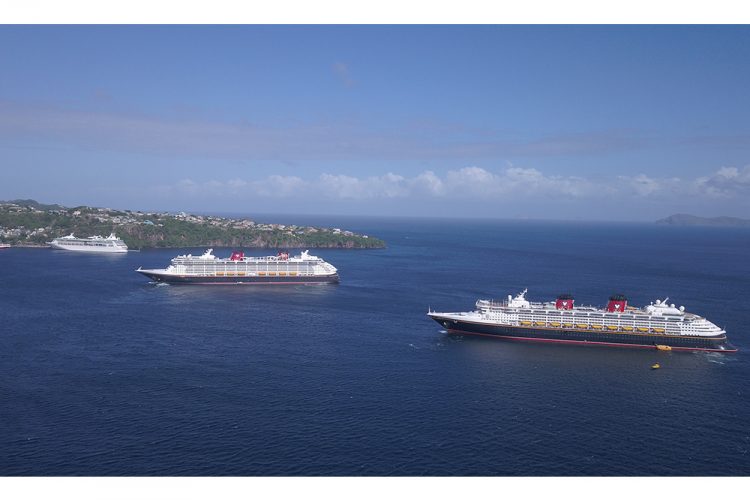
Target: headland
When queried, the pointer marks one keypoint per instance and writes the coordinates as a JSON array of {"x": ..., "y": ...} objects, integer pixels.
[{"x": 29, "y": 223}]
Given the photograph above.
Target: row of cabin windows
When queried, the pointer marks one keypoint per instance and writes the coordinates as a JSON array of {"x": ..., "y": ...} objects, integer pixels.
[{"x": 240, "y": 266}]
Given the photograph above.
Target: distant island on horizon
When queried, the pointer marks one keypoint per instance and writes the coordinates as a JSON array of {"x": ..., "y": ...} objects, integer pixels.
[
  {"x": 694, "y": 220},
  {"x": 33, "y": 224}
]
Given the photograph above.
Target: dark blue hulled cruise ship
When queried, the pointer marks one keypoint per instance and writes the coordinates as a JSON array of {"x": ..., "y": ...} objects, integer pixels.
[
  {"x": 659, "y": 325},
  {"x": 279, "y": 269}
]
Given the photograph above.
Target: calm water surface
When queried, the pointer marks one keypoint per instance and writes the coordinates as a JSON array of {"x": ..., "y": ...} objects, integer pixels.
[{"x": 102, "y": 373}]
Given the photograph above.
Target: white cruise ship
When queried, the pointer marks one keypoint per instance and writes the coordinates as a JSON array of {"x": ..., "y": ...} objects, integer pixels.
[
  {"x": 238, "y": 269},
  {"x": 110, "y": 244}
]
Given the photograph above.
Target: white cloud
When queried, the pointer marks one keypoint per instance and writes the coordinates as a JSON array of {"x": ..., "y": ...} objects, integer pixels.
[
  {"x": 279, "y": 186},
  {"x": 642, "y": 184},
  {"x": 725, "y": 182},
  {"x": 346, "y": 187},
  {"x": 429, "y": 183}
]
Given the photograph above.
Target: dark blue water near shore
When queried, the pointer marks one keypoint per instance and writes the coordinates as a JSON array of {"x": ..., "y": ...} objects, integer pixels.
[{"x": 102, "y": 373}]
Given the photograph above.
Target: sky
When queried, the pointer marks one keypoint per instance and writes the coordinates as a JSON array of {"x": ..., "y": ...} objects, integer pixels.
[{"x": 544, "y": 122}]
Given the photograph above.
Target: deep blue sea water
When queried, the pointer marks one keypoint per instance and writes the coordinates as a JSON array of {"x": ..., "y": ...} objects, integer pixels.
[{"x": 102, "y": 373}]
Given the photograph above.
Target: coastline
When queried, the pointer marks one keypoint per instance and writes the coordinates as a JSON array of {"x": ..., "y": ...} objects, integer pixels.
[
  {"x": 27, "y": 223},
  {"x": 27, "y": 245},
  {"x": 32, "y": 246}
]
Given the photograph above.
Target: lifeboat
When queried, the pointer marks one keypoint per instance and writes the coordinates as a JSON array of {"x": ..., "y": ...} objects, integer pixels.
[
  {"x": 663, "y": 347},
  {"x": 659, "y": 330},
  {"x": 611, "y": 327},
  {"x": 526, "y": 323},
  {"x": 555, "y": 323},
  {"x": 568, "y": 325},
  {"x": 596, "y": 327},
  {"x": 641, "y": 329},
  {"x": 581, "y": 325},
  {"x": 627, "y": 328}
]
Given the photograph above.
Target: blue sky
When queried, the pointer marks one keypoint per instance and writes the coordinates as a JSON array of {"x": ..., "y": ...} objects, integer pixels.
[{"x": 578, "y": 122}]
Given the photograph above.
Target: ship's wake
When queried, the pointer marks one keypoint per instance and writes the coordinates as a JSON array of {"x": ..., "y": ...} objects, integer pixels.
[{"x": 717, "y": 357}]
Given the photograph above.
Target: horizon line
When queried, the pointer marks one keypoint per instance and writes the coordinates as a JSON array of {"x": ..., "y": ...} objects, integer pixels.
[{"x": 226, "y": 213}]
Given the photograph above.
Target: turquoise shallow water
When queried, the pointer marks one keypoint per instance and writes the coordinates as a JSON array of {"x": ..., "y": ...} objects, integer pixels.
[{"x": 102, "y": 373}]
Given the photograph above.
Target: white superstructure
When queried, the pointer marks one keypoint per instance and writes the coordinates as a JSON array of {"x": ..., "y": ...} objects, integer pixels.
[
  {"x": 282, "y": 264},
  {"x": 659, "y": 317},
  {"x": 110, "y": 244}
]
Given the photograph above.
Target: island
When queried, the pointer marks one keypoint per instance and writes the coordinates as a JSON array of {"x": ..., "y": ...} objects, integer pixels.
[
  {"x": 29, "y": 223},
  {"x": 694, "y": 220}
]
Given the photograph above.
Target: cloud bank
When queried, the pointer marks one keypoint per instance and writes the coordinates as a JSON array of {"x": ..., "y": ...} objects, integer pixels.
[{"x": 476, "y": 183}]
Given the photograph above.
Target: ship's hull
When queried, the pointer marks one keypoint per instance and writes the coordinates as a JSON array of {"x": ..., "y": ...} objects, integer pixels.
[
  {"x": 587, "y": 337},
  {"x": 239, "y": 280},
  {"x": 89, "y": 249}
]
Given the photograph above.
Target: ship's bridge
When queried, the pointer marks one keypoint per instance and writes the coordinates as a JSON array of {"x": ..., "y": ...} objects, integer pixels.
[{"x": 519, "y": 300}]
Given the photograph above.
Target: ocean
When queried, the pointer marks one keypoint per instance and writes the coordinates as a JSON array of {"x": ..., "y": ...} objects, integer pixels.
[{"x": 104, "y": 373}]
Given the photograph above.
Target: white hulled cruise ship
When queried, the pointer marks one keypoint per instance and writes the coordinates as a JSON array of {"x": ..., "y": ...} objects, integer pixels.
[
  {"x": 207, "y": 269},
  {"x": 110, "y": 244},
  {"x": 660, "y": 324}
]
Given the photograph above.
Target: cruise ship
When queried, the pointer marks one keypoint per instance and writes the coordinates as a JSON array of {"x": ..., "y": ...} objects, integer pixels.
[
  {"x": 207, "y": 269},
  {"x": 110, "y": 244},
  {"x": 659, "y": 325}
]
